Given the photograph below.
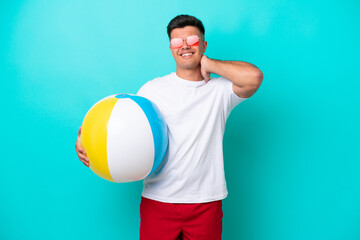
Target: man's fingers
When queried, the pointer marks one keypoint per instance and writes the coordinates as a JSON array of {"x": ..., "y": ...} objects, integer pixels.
[
  {"x": 82, "y": 156},
  {"x": 86, "y": 163},
  {"x": 80, "y": 149},
  {"x": 207, "y": 77}
]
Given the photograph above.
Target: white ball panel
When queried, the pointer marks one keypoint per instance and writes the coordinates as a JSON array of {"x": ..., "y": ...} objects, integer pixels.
[{"x": 130, "y": 144}]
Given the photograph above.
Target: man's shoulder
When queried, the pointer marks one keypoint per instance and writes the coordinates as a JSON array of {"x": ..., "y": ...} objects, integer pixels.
[
  {"x": 156, "y": 83},
  {"x": 162, "y": 79}
]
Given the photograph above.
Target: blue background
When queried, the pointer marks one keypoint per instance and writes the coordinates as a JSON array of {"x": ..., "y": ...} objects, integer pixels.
[{"x": 291, "y": 151}]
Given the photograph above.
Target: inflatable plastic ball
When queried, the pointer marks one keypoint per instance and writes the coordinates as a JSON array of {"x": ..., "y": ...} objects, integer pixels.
[{"x": 125, "y": 138}]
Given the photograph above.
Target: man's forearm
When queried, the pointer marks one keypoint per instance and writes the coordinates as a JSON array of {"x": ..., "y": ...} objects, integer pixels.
[
  {"x": 240, "y": 73},
  {"x": 246, "y": 77}
]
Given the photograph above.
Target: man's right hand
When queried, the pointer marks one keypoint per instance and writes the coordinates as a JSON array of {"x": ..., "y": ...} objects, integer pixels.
[{"x": 81, "y": 151}]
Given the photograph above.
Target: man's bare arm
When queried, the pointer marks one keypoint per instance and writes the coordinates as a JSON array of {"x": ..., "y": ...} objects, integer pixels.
[{"x": 246, "y": 77}]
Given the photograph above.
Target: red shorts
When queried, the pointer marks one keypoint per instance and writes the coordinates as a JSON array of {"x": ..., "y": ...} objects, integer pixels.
[{"x": 173, "y": 221}]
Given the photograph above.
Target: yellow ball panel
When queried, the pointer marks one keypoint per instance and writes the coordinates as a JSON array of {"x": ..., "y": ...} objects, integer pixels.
[{"x": 94, "y": 136}]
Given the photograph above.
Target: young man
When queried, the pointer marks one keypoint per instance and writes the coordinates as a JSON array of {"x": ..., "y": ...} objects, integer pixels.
[{"x": 184, "y": 199}]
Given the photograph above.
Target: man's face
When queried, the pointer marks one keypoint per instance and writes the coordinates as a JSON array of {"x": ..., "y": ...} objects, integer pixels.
[{"x": 188, "y": 56}]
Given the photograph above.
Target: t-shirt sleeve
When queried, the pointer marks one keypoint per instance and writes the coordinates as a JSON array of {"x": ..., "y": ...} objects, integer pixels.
[{"x": 231, "y": 100}]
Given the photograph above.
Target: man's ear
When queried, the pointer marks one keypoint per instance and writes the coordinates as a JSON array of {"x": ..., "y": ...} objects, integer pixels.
[{"x": 205, "y": 46}]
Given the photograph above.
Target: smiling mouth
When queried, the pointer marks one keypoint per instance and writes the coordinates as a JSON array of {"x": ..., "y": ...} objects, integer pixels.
[{"x": 186, "y": 54}]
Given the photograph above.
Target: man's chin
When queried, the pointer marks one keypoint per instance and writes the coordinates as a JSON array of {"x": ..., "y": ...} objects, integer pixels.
[{"x": 189, "y": 66}]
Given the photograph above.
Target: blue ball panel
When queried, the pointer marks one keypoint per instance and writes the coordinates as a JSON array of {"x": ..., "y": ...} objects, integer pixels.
[{"x": 158, "y": 127}]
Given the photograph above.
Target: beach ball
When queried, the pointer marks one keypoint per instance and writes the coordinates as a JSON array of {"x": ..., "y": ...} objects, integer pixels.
[{"x": 125, "y": 138}]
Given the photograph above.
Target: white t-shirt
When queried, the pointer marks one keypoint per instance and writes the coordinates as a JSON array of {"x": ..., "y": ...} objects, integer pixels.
[{"x": 195, "y": 113}]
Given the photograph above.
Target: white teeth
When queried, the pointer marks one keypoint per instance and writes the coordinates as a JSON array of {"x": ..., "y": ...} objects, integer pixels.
[{"x": 186, "y": 54}]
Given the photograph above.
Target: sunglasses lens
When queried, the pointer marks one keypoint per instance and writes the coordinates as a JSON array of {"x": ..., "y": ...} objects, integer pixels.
[
  {"x": 191, "y": 40},
  {"x": 176, "y": 42}
]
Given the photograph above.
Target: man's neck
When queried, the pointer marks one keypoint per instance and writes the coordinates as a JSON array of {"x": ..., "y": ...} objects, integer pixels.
[{"x": 190, "y": 74}]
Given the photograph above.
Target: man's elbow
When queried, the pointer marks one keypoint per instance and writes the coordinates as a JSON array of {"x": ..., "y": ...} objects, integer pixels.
[
  {"x": 259, "y": 76},
  {"x": 252, "y": 86},
  {"x": 255, "y": 81}
]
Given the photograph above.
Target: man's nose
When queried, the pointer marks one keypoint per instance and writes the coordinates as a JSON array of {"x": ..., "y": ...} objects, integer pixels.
[{"x": 185, "y": 45}]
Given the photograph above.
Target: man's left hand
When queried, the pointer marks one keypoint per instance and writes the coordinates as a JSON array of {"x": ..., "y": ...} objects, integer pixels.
[{"x": 204, "y": 62}]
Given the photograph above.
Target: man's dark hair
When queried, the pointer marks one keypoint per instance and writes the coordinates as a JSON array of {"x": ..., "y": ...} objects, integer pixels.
[{"x": 182, "y": 21}]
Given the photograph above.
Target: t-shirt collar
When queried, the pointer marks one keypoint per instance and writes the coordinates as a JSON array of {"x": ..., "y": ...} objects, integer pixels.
[{"x": 189, "y": 83}]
